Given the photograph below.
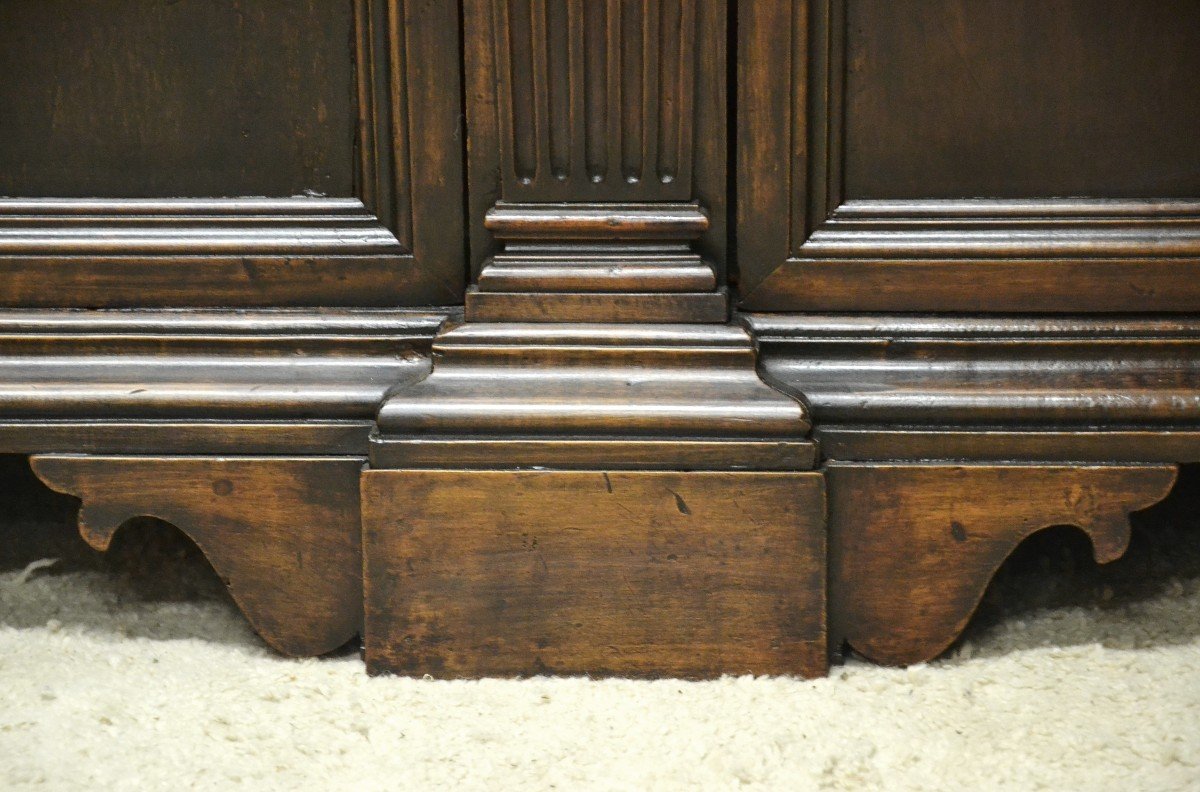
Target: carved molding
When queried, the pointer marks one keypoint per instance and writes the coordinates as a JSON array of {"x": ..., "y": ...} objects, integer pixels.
[
  {"x": 833, "y": 254},
  {"x": 913, "y": 547},
  {"x": 595, "y": 148},
  {"x": 595, "y": 98},
  {"x": 1080, "y": 373},
  {"x": 284, "y": 533},
  {"x": 396, "y": 241},
  {"x": 409, "y": 126},
  {"x": 626, "y": 396},
  {"x": 249, "y": 227},
  {"x": 597, "y": 263},
  {"x": 614, "y": 101}
]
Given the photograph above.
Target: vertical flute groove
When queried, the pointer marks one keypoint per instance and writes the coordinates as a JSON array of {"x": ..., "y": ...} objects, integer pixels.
[
  {"x": 595, "y": 98},
  {"x": 577, "y": 85},
  {"x": 615, "y": 103},
  {"x": 670, "y": 66},
  {"x": 401, "y": 209},
  {"x": 652, "y": 57},
  {"x": 539, "y": 44},
  {"x": 560, "y": 69},
  {"x": 594, "y": 20},
  {"x": 515, "y": 137},
  {"x": 685, "y": 87},
  {"x": 633, "y": 88}
]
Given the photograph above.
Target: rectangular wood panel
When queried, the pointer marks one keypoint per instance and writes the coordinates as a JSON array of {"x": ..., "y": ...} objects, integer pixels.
[
  {"x": 230, "y": 153},
  {"x": 486, "y": 573},
  {"x": 968, "y": 156},
  {"x": 137, "y": 98},
  {"x": 1022, "y": 99}
]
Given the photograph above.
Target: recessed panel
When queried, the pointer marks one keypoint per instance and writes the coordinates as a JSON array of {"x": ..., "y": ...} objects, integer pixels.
[
  {"x": 145, "y": 98},
  {"x": 1022, "y": 98}
]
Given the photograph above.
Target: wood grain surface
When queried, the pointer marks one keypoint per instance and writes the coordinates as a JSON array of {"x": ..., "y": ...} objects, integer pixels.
[
  {"x": 913, "y": 547},
  {"x": 118, "y": 114},
  {"x": 1078, "y": 373},
  {"x": 284, "y": 533},
  {"x": 959, "y": 156},
  {"x": 491, "y": 573},
  {"x": 596, "y": 102},
  {"x": 557, "y": 388}
]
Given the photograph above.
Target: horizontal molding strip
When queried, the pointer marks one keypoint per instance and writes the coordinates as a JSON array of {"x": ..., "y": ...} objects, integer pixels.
[
  {"x": 149, "y": 208},
  {"x": 1006, "y": 372},
  {"x": 249, "y": 227},
  {"x": 1054, "y": 240},
  {"x": 782, "y": 327},
  {"x": 218, "y": 365},
  {"x": 1000, "y": 209},
  {"x": 603, "y": 222},
  {"x": 414, "y": 323}
]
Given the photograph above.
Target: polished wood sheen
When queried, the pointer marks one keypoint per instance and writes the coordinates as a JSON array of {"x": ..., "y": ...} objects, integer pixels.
[
  {"x": 968, "y": 156},
  {"x": 597, "y": 159},
  {"x": 573, "y": 386},
  {"x": 610, "y": 101},
  {"x": 284, "y": 381},
  {"x": 601, "y": 573},
  {"x": 282, "y": 532},
  {"x": 614, "y": 262},
  {"x": 912, "y": 547},
  {"x": 997, "y": 372},
  {"x": 598, "y": 297},
  {"x": 136, "y": 105}
]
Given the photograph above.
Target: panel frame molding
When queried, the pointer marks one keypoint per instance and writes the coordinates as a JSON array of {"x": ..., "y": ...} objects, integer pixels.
[
  {"x": 1040, "y": 255},
  {"x": 378, "y": 247}
]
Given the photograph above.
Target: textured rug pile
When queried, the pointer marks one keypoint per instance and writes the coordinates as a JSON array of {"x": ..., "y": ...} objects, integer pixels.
[{"x": 1070, "y": 679}]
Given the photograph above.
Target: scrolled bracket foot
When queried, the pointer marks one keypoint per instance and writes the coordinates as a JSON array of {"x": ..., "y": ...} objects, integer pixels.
[
  {"x": 285, "y": 533},
  {"x": 912, "y": 547}
]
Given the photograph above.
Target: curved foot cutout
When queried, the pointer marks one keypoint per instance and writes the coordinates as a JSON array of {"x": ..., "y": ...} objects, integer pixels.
[
  {"x": 913, "y": 547},
  {"x": 285, "y": 533}
]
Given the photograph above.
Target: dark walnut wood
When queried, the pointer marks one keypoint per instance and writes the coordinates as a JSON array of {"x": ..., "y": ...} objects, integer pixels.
[
  {"x": 602, "y": 573},
  {"x": 1001, "y": 372},
  {"x": 284, "y": 533},
  {"x": 597, "y": 156},
  {"x": 204, "y": 382},
  {"x": 595, "y": 342},
  {"x": 1004, "y": 445},
  {"x": 885, "y": 387},
  {"x": 914, "y": 544},
  {"x": 576, "y": 392},
  {"x": 959, "y": 156},
  {"x": 596, "y": 102},
  {"x": 912, "y": 547},
  {"x": 970, "y": 231},
  {"x": 356, "y": 99},
  {"x": 1027, "y": 124},
  {"x": 597, "y": 263},
  {"x": 129, "y": 98}
]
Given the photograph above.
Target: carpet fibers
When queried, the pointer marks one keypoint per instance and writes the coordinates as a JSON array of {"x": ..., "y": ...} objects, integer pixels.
[{"x": 103, "y": 689}]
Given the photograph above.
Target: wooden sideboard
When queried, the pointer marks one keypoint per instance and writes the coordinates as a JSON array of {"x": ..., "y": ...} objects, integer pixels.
[{"x": 626, "y": 337}]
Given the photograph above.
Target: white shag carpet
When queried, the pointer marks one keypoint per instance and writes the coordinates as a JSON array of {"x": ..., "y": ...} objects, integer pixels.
[{"x": 101, "y": 690}]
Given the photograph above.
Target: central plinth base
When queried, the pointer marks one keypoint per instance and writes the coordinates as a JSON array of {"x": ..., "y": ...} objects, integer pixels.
[{"x": 619, "y": 573}]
